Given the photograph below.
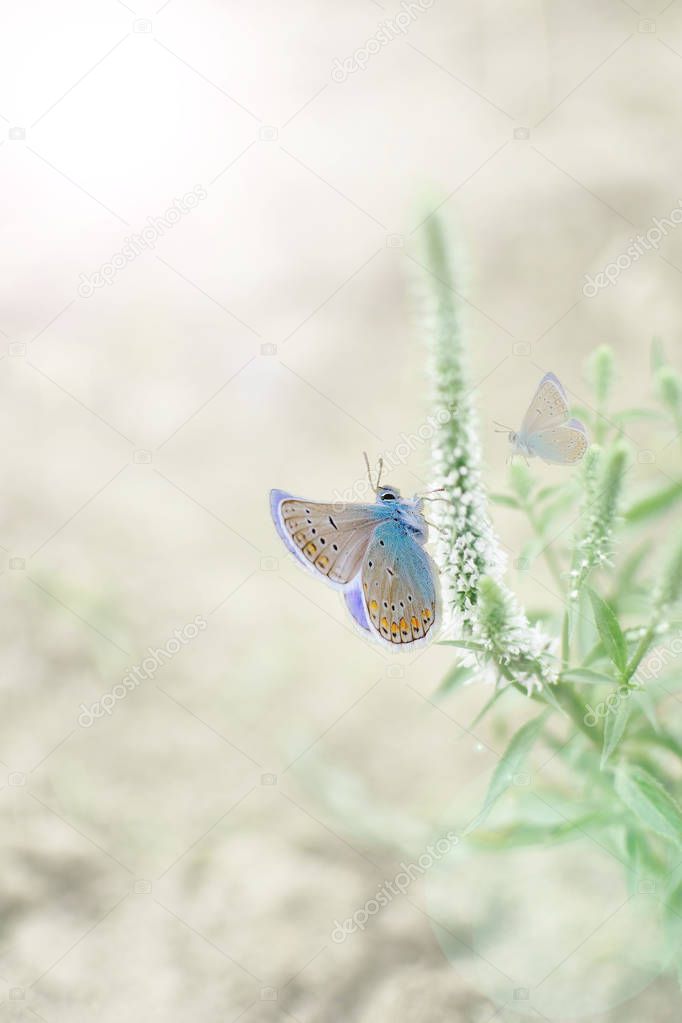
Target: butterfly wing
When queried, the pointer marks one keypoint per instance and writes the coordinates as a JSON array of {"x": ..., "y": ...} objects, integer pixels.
[
  {"x": 399, "y": 587},
  {"x": 562, "y": 445},
  {"x": 355, "y": 602},
  {"x": 329, "y": 539},
  {"x": 548, "y": 408}
]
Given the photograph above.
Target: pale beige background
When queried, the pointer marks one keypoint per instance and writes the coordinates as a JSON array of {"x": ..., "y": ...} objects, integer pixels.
[{"x": 144, "y": 425}]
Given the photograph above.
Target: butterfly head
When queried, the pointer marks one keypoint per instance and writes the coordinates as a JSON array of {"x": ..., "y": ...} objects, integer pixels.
[
  {"x": 387, "y": 494},
  {"x": 519, "y": 443}
]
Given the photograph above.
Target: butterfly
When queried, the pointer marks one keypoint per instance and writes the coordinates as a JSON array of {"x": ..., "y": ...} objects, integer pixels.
[
  {"x": 547, "y": 429},
  {"x": 374, "y": 554}
]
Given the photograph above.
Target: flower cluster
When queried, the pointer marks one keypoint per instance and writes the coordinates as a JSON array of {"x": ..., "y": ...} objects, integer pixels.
[
  {"x": 603, "y": 482},
  {"x": 519, "y": 650},
  {"x": 669, "y": 590},
  {"x": 469, "y": 555}
]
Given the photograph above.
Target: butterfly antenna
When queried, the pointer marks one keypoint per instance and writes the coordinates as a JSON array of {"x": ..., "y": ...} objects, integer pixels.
[
  {"x": 381, "y": 469},
  {"x": 427, "y": 495},
  {"x": 369, "y": 472}
]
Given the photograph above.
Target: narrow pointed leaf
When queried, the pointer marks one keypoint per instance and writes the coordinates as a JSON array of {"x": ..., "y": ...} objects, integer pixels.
[
  {"x": 487, "y": 706},
  {"x": 463, "y": 644},
  {"x": 614, "y": 729},
  {"x": 654, "y": 504},
  {"x": 650, "y": 802},
  {"x": 609, "y": 630},
  {"x": 505, "y": 499},
  {"x": 512, "y": 759},
  {"x": 455, "y": 678}
]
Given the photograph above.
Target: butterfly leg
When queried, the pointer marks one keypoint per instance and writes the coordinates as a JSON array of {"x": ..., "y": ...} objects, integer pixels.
[
  {"x": 425, "y": 497},
  {"x": 439, "y": 529}
]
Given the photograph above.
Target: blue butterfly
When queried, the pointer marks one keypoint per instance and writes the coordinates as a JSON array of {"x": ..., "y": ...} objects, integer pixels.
[
  {"x": 374, "y": 554},
  {"x": 546, "y": 430}
]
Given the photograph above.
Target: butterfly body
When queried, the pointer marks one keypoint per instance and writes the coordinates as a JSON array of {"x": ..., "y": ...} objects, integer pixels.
[
  {"x": 547, "y": 431},
  {"x": 373, "y": 553},
  {"x": 520, "y": 446}
]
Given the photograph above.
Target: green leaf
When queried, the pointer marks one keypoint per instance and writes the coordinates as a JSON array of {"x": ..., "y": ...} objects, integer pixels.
[
  {"x": 463, "y": 644},
  {"x": 583, "y": 413},
  {"x": 655, "y": 504},
  {"x": 455, "y": 678},
  {"x": 650, "y": 802},
  {"x": 643, "y": 863},
  {"x": 522, "y": 480},
  {"x": 609, "y": 630},
  {"x": 530, "y": 833},
  {"x": 505, "y": 499},
  {"x": 548, "y": 696},
  {"x": 645, "y": 700},
  {"x": 487, "y": 706},
  {"x": 512, "y": 759},
  {"x": 637, "y": 413},
  {"x": 549, "y": 491},
  {"x": 586, "y": 676},
  {"x": 634, "y": 859},
  {"x": 614, "y": 729}
]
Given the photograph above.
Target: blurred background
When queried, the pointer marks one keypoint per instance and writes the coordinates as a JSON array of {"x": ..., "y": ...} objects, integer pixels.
[{"x": 213, "y": 231}]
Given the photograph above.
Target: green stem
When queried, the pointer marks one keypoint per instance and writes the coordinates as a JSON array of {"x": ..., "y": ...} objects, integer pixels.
[
  {"x": 637, "y": 657},
  {"x": 565, "y": 641},
  {"x": 600, "y": 425}
]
